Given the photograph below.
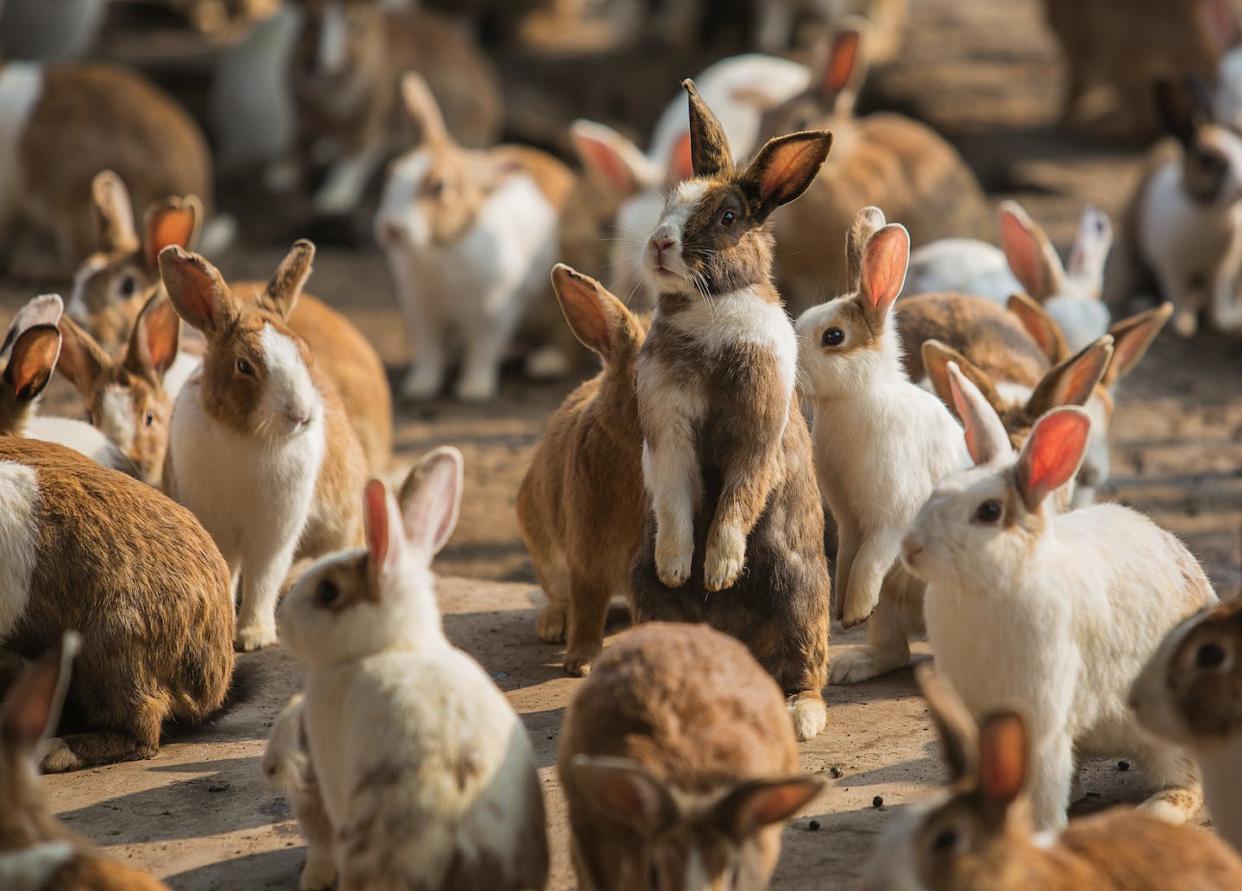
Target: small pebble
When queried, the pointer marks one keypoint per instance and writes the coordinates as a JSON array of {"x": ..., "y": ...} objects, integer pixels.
[
  {"x": 813, "y": 826},
  {"x": 878, "y": 801},
  {"x": 837, "y": 773},
  {"x": 218, "y": 786},
  {"x": 1123, "y": 765}
]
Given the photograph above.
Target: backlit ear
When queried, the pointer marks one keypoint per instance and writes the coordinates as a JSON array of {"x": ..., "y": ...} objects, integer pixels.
[
  {"x": 32, "y": 708},
  {"x": 936, "y": 360},
  {"x": 612, "y": 158},
  {"x": 785, "y": 168},
  {"x": 380, "y": 522},
  {"x": 756, "y": 804},
  {"x": 839, "y": 67},
  {"x": 1073, "y": 381},
  {"x": 1032, "y": 258},
  {"x": 710, "y": 154},
  {"x": 1131, "y": 338},
  {"x": 1052, "y": 454},
  {"x": 82, "y": 359},
  {"x": 955, "y": 726},
  {"x": 285, "y": 287},
  {"x": 626, "y": 792},
  {"x": 596, "y": 317},
  {"x": 430, "y": 500},
  {"x": 197, "y": 290},
  {"x": 423, "y": 109},
  {"x": 32, "y": 362},
  {"x": 680, "y": 161},
  {"x": 866, "y": 223},
  {"x": 154, "y": 341},
  {"x": 1003, "y": 758},
  {"x": 114, "y": 214},
  {"x": 883, "y": 272},
  {"x": 986, "y": 439},
  {"x": 1041, "y": 326},
  {"x": 175, "y": 221},
  {"x": 46, "y": 309}
]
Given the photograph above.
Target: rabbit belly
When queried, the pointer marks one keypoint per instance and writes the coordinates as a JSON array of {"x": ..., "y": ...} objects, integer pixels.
[{"x": 19, "y": 502}]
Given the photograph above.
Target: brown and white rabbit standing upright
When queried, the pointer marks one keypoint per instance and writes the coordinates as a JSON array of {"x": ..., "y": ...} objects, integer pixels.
[
  {"x": 140, "y": 580},
  {"x": 581, "y": 506},
  {"x": 978, "y": 834},
  {"x": 678, "y": 777},
  {"x": 735, "y": 538},
  {"x": 37, "y": 851},
  {"x": 260, "y": 448},
  {"x": 895, "y": 163}
]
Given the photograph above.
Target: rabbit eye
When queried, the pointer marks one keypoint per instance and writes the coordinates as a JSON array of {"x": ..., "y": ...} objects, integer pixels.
[
  {"x": 434, "y": 188},
  {"x": 149, "y": 418},
  {"x": 326, "y": 592},
  {"x": 1210, "y": 655},
  {"x": 727, "y": 218},
  {"x": 945, "y": 841},
  {"x": 127, "y": 286},
  {"x": 832, "y": 337},
  {"x": 245, "y": 367},
  {"x": 988, "y": 512}
]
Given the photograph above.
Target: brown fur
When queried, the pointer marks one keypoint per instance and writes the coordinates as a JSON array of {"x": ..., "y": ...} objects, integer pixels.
[
  {"x": 1209, "y": 700},
  {"x": 26, "y": 373}
]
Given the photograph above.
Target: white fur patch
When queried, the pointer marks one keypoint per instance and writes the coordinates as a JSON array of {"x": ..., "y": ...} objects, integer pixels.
[
  {"x": 76, "y": 308},
  {"x": 19, "y": 501},
  {"x": 30, "y": 869},
  {"x": 398, "y": 205},
  {"x": 742, "y": 317},
  {"x": 290, "y": 401},
  {"x": 116, "y": 416},
  {"x": 333, "y": 40},
  {"x": 81, "y": 437},
  {"x": 21, "y": 85}
]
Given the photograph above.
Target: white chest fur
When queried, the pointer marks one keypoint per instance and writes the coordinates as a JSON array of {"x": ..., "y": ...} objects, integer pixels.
[{"x": 741, "y": 318}]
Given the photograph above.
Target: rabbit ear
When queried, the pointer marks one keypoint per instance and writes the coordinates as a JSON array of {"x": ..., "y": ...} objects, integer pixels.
[
  {"x": 46, "y": 309},
  {"x": 1003, "y": 760},
  {"x": 626, "y": 792},
  {"x": 423, "y": 109},
  {"x": 840, "y": 65},
  {"x": 1042, "y": 327},
  {"x": 33, "y": 361},
  {"x": 1090, "y": 251},
  {"x": 709, "y": 145},
  {"x": 612, "y": 158},
  {"x": 756, "y": 804},
  {"x": 1032, "y": 258},
  {"x": 32, "y": 708},
  {"x": 883, "y": 271},
  {"x": 197, "y": 290},
  {"x": 597, "y": 318},
  {"x": 174, "y": 221},
  {"x": 430, "y": 499},
  {"x": 82, "y": 360},
  {"x": 381, "y": 524},
  {"x": 866, "y": 223},
  {"x": 1221, "y": 24},
  {"x": 986, "y": 439},
  {"x": 680, "y": 161},
  {"x": 1131, "y": 338},
  {"x": 1176, "y": 108},
  {"x": 154, "y": 341},
  {"x": 785, "y": 168},
  {"x": 936, "y": 360},
  {"x": 1073, "y": 381},
  {"x": 1052, "y": 454},
  {"x": 956, "y": 728},
  {"x": 285, "y": 287},
  {"x": 114, "y": 214}
]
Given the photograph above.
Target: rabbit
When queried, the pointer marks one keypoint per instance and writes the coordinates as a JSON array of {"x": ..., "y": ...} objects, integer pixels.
[
  {"x": 345, "y": 72},
  {"x": 259, "y": 446},
  {"x": 885, "y": 20},
  {"x": 64, "y": 123},
  {"x": 883, "y": 159},
  {"x": 37, "y": 851},
  {"x": 469, "y": 236},
  {"x": 1182, "y": 230},
  {"x": 726, "y": 453},
  {"x": 978, "y": 834},
  {"x": 136, "y": 575},
  {"x": 427, "y": 797},
  {"x": 1186, "y": 695},
  {"x": 286, "y": 764},
  {"x": 580, "y": 506},
  {"x": 675, "y": 777},
  {"x": 880, "y": 443},
  {"x": 1073, "y": 603}
]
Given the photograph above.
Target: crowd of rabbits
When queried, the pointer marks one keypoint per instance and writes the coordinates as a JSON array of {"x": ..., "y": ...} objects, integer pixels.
[{"x": 825, "y": 395}]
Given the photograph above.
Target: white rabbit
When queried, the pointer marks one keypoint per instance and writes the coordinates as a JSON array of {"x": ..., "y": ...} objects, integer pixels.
[
  {"x": 1052, "y": 613},
  {"x": 881, "y": 443},
  {"x": 426, "y": 772}
]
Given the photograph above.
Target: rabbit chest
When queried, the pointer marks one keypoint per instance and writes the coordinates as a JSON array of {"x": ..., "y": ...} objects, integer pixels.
[{"x": 1184, "y": 241}]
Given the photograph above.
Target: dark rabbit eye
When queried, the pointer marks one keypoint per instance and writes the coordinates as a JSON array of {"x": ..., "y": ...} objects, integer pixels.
[
  {"x": 127, "y": 286},
  {"x": 832, "y": 337},
  {"x": 988, "y": 512},
  {"x": 327, "y": 592},
  {"x": 727, "y": 218},
  {"x": 435, "y": 188},
  {"x": 945, "y": 841},
  {"x": 149, "y": 418},
  {"x": 1210, "y": 655},
  {"x": 245, "y": 367}
]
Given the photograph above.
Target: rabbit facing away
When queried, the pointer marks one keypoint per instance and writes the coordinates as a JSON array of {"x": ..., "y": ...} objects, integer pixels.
[
  {"x": 469, "y": 235},
  {"x": 676, "y": 777},
  {"x": 37, "y": 851},
  {"x": 1186, "y": 695},
  {"x": 136, "y": 575},
  {"x": 259, "y": 447},
  {"x": 735, "y": 535},
  {"x": 978, "y": 835},
  {"x": 581, "y": 506},
  {"x": 881, "y": 443},
  {"x": 443, "y": 793},
  {"x": 1073, "y": 603}
]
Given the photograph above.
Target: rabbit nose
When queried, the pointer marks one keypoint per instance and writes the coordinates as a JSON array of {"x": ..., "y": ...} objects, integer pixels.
[
  {"x": 660, "y": 244},
  {"x": 911, "y": 547},
  {"x": 299, "y": 416},
  {"x": 390, "y": 232}
]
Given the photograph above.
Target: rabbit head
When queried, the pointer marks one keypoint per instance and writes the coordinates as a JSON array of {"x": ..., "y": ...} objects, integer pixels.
[
  {"x": 830, "y": 97},
  {"x": 724, "y": 839},
  {"x": 1211, "y": 164},
  {"x": 713, "y": 236},
  {"x": 845, "y": 342},
  {"x": 983, "y": 521},
  {"x": 257, "y": 373},
  {"x": 28, "y": 357},
  {"x": 358, "y": 602},
  {"x": 336, "y": 47},
  {"x": 126, "y": 398}
]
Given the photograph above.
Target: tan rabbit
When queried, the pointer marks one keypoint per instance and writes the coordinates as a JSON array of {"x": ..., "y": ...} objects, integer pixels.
[
  {"x": 260, "y": 447},
  {"x": 676, "y": 777},
  {"x": 37, "y": 851},
  {"x": 887, "y": 160},
  {"x": 978, "y": 835},
  {"x": 136, "y": 575},
  {"x": 581, "y": 506}
]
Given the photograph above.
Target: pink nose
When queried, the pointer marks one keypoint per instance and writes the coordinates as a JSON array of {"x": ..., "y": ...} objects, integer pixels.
[
  {"x": 910, "y": 549},
  {"x": 390, "y": 232},
  {"x": 660, "y": 244}
]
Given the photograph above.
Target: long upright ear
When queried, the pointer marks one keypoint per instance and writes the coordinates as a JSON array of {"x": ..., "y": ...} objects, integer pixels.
[
  {"x": 837, "y": 77},
  {"x": 172, "y": 221},
  {"x": 597, "y": 318},
  {"x": 1175, "y": 108},
  {"x": 986, "y": 439},
  {"x": 883, "y": 272},
  {"x": 197, "y": 290},
  {"x": 612, "y": 158},
  {"x": 423, "y": 109},
  {"x": 114, "y": 214},
  {"x": 381, "y": 524},
  {"x": 710, "y": 154},
  {"x": 1092, "y": 242},
  {"x": 936, "y": 360},
  {"x": 680, "y": 162},
  {"x": 1032, "y": 258},
  {"x": 785, "y": 168},
  {"x": 46, "y": 309},
  {"x": 1042, "y": 327},
  {"x": 285, "y": 287},
  {"x": 626, "y": 792},
  {"x": 866, "y": 223},
  {"x": 430, "y": 499},
  {"x": 1004, "y": 757},
  {"x": 1052, "y": 454},
  {"x": 1131, "y": 338},
  {"x": 33, "y": 361},
  {"x": 1072, "y": 381},
  {"x": 958, "y": 734},
  {"x": 753, "y": 805},
  {"x": 154, "y": 341},
  {"x": 32, "y": 708},
  {"x": 1221, "y": 24},
  {"x": 82, "y": 360}
]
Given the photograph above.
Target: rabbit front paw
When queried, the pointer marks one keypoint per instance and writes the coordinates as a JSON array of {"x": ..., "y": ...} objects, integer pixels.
[
  {"x": 421, "y": 383},
  {"x": 58, "y": 757},
  {"x": 319, "y": 874},
  {"x": 673, "y": 554},
  {"x": 550, "y": 626},
  {"x": 578, "y": 661},
  {"x": 724, "y": 560},
  {"x": 255, "y": 636}
]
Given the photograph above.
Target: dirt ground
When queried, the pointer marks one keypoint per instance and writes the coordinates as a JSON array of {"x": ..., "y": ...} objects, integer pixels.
[{"x": 986, "y": 74}]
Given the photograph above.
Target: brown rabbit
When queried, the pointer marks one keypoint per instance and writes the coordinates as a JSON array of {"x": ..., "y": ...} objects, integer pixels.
[
  {"x": 887, "y": 160},
  {"x": 678, "y": 777},
  {"x": 978, "y": 835},
  {"x": 37, "y": 851},
  {"x": 581, "y": 506},
  {"x": 136, "y": 575}
]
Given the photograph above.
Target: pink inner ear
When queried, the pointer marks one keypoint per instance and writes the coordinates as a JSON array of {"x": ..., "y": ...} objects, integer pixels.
[
  {"x": 603, "y": 159},
  {"x": 884, "y": 266},
  {"x": 375, "y": 503},
  {"x": 680, "y": 162},
  {"x": 840, "y": 66},
  {"x": 1025, "y": 256},
  {"x": 1054, "y": 451}
]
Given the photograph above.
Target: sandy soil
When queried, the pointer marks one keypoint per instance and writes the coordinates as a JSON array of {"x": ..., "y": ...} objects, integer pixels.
[{"x": 986, "y": 74}]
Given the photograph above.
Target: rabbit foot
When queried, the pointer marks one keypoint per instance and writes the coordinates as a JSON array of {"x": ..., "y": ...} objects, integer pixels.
[
  {"x": 1186, "y": 323},
  {"x": 578, "y": 662},
  {"x": 810, "y": 716},
  {"x": 58, "y": 757},
  {"x": 547, "y": 364},
  {"x": 420, "y": 386},
  {"x": 672, "y": 559},
  {"x": 725, "y": 558},
  {"x": 550, "y": 626},
  {"x": 255, "y": 637},
  {"x": 860, "y": 664},
  {"x": 1173, "y": 805},
  {"x": 476, "y": 388},
  {"x": 319, "y": 874}
]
